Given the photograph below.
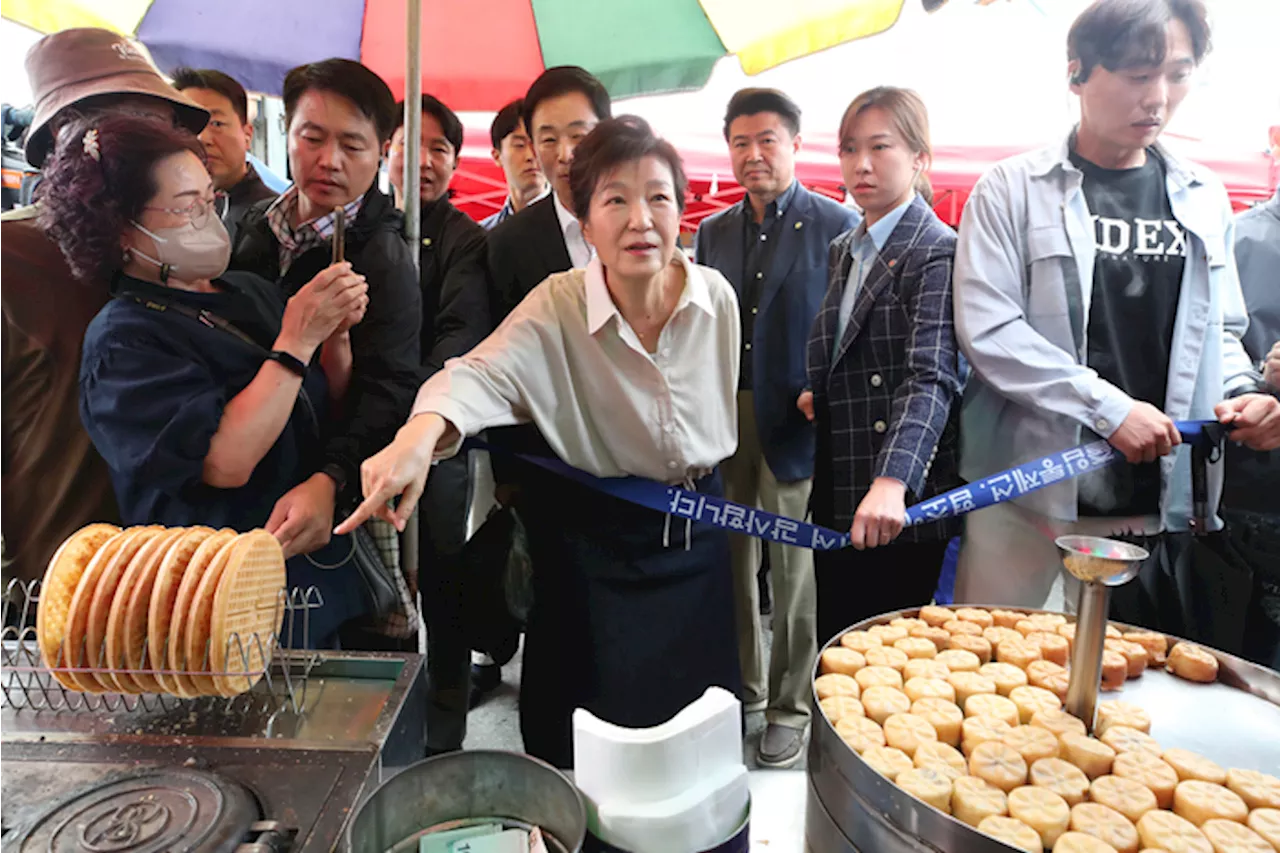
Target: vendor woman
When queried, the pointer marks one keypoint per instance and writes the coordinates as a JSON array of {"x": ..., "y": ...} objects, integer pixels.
[
  {"x": 627, "y": 367},
  {"x": 197, "y": 387}
]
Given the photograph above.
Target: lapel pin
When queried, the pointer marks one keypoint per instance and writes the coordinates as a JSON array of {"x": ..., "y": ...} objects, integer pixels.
[
  {"x": 426, "y": 241},
  {"x": 799, "y": 225}
]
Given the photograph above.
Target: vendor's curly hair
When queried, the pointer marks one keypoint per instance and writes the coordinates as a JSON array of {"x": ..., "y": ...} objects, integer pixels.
[{"x": 98, "y": 179}]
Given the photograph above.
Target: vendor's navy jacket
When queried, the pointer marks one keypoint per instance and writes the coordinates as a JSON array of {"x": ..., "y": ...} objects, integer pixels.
[{"x": 153, "y": 386}]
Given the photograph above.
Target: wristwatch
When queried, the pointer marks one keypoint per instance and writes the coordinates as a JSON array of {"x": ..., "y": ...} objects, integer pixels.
[
  {"x": 334, "y": 471},
  {"x": 290, "y": 362}
]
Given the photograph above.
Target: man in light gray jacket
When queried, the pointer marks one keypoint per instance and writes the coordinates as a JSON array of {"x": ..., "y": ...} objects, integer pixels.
[{"x": 1096, "y": 294}]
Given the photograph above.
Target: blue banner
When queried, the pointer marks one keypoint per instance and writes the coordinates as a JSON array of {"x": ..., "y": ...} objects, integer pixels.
[{"x": 739, "y": 518}]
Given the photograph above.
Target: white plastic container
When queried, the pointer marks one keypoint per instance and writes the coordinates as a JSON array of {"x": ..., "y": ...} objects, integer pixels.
[
  {"x": 699, "y": 819},
  {"x": 677, "y": 787},
  {"x": 616, "y": 764}
]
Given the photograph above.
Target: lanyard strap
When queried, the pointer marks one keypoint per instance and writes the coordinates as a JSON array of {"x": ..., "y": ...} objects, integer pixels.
[
  {"x": 739, "y": 518},
  {"x": 203, "y": 317}
]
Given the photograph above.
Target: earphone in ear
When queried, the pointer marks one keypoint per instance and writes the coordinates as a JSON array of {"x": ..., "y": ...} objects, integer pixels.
[{"x": 1075, "y": 78}]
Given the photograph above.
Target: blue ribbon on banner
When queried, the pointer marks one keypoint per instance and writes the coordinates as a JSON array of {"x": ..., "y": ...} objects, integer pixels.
[{"x": 998, "y": 488}]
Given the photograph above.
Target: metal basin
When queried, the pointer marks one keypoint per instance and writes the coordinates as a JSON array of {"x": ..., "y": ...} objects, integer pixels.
[
  {"x": 462, "y": 788},
  {"x": 1092, "y": 559}
]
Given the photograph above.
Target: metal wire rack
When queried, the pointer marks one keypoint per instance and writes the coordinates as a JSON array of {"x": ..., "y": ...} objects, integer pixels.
[{"x": 277, "y": 666}]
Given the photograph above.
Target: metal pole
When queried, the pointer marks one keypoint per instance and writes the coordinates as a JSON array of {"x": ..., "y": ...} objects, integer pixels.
[
  {"x": 412, "y": 198},
  {"x": 1086, "y": 651}
]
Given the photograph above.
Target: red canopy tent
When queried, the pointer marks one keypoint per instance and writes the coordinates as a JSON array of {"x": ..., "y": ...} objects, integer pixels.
[{"x": 479, "y": 188}]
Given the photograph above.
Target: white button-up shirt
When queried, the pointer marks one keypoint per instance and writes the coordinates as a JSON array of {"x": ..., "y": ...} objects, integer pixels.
[
  {"x": 580, "y": 251},
  {"x": 566, "y": 360},
  {"x": 867, "y": 243}
]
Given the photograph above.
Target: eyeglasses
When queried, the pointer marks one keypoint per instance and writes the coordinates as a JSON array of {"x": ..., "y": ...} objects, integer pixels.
[{"x": 197, "y": 213}]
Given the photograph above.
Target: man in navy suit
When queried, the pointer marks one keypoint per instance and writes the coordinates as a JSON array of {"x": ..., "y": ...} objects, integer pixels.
[{"x": 772, "y": 246}]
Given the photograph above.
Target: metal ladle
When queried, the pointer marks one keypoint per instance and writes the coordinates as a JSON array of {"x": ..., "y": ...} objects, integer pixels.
[{"x": 1099, "y": 564}]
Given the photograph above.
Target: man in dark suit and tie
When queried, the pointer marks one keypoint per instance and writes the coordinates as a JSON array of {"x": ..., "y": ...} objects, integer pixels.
[
  {"x": 772, "y": 246},
  {"x": 561, "y": 107}
]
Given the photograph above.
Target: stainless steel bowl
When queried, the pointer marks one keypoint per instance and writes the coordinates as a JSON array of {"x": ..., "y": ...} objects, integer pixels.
[
  {"x": 1092, "y": 559},
  {"x": 463, "y": 788}
]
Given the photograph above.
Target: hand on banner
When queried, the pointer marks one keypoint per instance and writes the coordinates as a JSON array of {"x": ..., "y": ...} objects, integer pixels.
[
  {"x": 880, "y": 515},
  {"x": 1256, "y": 418},
  {"x": 399, "y": 470},
  {"x": 302, "y": 518},
  {"x": 805, "y": 404},
  {"x": 1146, "y": 434}
]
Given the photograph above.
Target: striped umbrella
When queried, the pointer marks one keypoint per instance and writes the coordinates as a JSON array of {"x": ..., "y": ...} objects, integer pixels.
[{"x": 476, "y": 54}]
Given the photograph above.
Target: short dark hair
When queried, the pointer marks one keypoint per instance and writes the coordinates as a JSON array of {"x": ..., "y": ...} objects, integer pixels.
[
  {"x": 351, "y": 80},
  {"x": 87, "y": 202},
  {"x": 611, "y": 143},
  {"x": 1118, "y": 34},
  {"x": 445, "y": 117},
  {"x": 215, "y": 81},
  {"x": 748, "y": 102},
  {"x": 507, "y": 122},
  {"x": 562, "y": 80}
]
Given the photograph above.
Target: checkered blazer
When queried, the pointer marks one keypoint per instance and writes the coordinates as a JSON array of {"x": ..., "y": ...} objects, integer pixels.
[{"x": 888, "y": 403}]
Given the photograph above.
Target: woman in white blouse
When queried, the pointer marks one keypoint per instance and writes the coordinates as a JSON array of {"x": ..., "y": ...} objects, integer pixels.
[{"x": 627, "y": 367}]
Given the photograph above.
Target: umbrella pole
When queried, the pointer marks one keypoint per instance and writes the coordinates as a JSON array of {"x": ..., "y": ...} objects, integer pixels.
[{"x": 413, "y": 211}]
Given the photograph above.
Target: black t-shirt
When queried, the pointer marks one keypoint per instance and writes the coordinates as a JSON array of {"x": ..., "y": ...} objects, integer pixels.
[{"x": 1137, "y": 278}]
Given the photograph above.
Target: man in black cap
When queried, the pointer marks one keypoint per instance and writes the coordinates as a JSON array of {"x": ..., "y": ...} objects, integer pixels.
[{"x": 53, "y": 481}]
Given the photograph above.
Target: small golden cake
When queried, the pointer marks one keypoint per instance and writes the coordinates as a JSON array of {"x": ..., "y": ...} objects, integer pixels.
[
  {"x": 1201, "y": 801},
  {"x": 974, "y": 799},
  {"x": 1125, "y": 796},
  {"x": 1062, "y": 777},
  {"x": 1092, "y": 756},
  {"x": 999, "y": 765},
  {"x": 1107, "y": 824},
  {"x": 1147, "y": 769},
  {"x": 1042, "y": 810}
]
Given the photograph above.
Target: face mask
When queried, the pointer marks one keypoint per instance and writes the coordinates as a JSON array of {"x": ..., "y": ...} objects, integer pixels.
[{"x": 191, "y": 253}]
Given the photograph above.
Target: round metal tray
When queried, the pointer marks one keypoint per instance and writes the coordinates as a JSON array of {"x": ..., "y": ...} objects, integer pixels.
[{"x": 1234, "y": 721}]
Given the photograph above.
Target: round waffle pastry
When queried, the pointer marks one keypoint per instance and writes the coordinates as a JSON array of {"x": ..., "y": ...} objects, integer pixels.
[
  {"x": 140, "y": 660},
  {"x": 103, "y": 602},
  {"x": 61, "y": 580},
  {"x": 79, "y": 641},
  {"x": 199, "y": 623},
  {"x": 247, "y": 613},
  {"x": 147, "y": 560},
  {"x": 160, "y": 606},
  {"x": 175, "y": 635}
]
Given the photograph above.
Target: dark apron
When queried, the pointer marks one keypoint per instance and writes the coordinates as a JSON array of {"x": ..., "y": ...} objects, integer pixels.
[{"x": 629, "y": 628}]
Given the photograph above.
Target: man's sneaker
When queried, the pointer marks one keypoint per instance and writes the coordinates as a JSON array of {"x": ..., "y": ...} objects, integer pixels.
[
  {"x": 780, "y": 746},
  {"x": 485, "y": 678}
]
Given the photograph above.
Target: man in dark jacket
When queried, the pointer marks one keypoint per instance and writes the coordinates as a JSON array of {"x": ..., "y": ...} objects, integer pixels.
[
  {"x": 561, "y": 107},
  {"x": 453, "y": 274},
  {"x": 772, "y": 246},
  {"x": 339, "y": 116},
  {"x": 226, "y": 139}
]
